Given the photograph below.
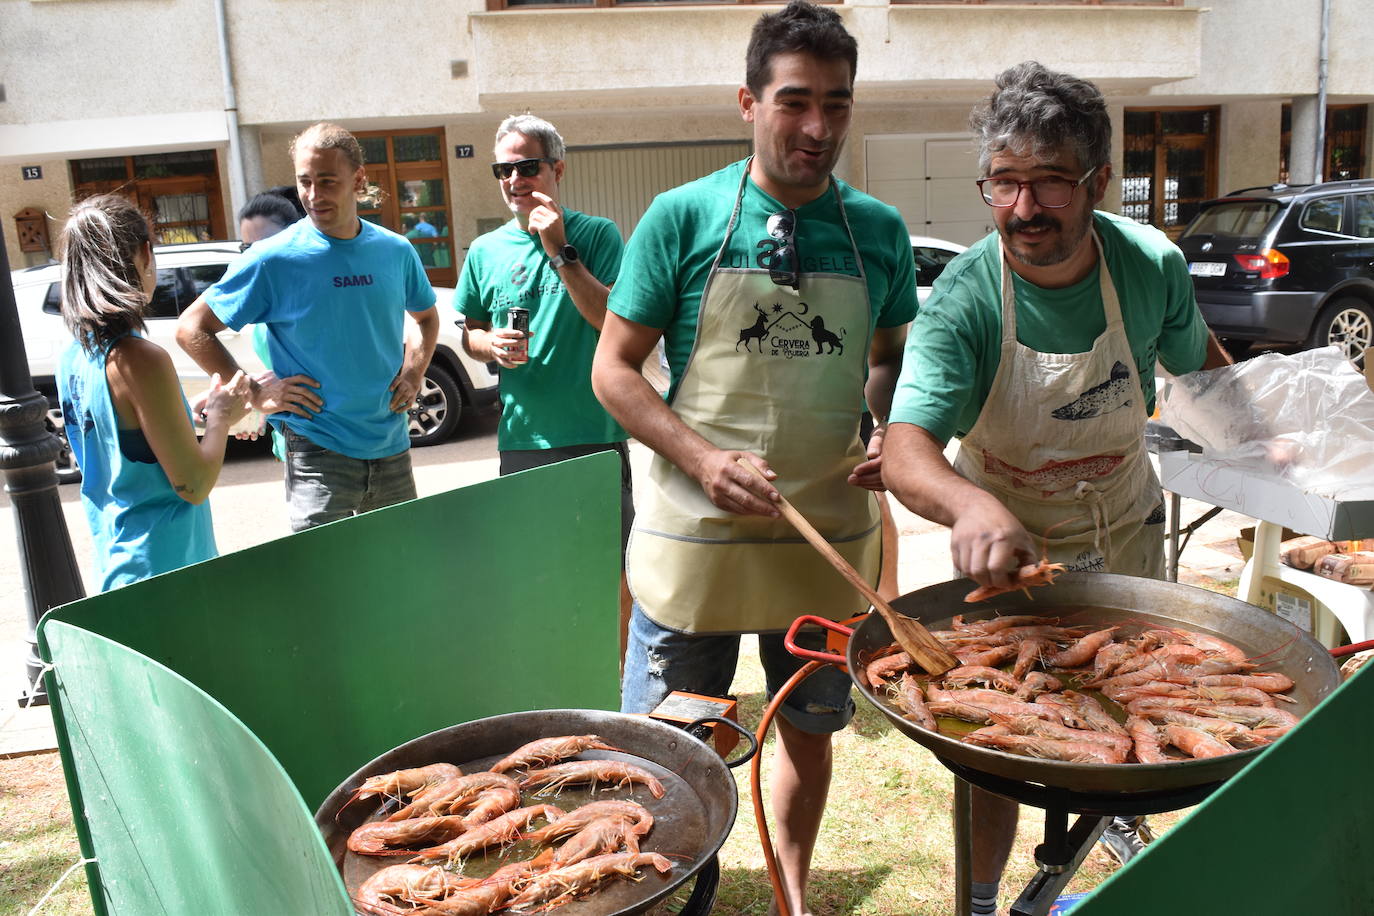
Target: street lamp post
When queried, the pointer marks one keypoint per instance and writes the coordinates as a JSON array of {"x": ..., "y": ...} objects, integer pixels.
[{"x": 27, "y": 451}]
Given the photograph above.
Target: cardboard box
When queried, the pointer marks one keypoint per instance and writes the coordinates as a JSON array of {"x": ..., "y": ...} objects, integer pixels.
[
  {"x": 1266, "y": 498},
  {"x": 1291, "y": 602},
  {"x": 1245, "y": 540}
]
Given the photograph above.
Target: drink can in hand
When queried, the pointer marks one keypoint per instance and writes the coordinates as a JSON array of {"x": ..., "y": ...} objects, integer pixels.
[{"x": 519, "y": 320}]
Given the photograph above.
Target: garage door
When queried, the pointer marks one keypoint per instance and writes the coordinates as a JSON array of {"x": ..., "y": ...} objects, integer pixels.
[
  {"x": 930, "y": 180},
  {"x": 619, "y": 182}
]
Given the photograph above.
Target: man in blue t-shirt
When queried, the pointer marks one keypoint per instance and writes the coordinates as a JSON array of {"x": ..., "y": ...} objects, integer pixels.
[{"x": 332, "y": 291}]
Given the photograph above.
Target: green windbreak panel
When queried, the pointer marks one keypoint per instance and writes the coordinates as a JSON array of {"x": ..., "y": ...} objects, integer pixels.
[
  {"x": 1291, "y": 833},
  {"x": 339, "y": 643},
  {"x": 185, "y": 810}
]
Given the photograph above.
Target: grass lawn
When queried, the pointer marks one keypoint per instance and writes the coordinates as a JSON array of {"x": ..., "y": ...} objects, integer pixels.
[{"x": 885, "y": 848}]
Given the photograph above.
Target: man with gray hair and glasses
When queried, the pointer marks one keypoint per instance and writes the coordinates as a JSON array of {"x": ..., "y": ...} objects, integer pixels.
[
  {"x": 557, "y": 264},
  {"x": 1038, "y": 349}
]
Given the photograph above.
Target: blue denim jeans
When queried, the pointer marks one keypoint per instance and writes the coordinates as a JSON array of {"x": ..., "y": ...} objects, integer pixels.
[
  {"x": 324, "y": 486},
  {"x": 659, "y": 660}
]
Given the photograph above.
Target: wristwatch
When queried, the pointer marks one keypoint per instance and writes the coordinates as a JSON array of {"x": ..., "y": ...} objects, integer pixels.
[{"x": 566, "y": 255}]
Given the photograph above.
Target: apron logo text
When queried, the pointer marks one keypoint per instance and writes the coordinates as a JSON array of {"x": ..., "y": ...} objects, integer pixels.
[
  {"x": 826, "y": 264},
  {"x": 786, "y": 334}
]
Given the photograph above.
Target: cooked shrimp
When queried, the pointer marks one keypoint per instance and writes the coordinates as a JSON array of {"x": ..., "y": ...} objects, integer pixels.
[
  {"x": 1239, "y": 696},
  {"x": 380, "y": 838},
  {"x": 563, "y": 884},
  {"x": 1091, "y": 712},
  {"x": 1269, "y": 682},
  {"x": 409, "y": 883},
  {"x": 402, "y": 782},
  {"x": 913, "y": 703},
  {"x": 1195, "y": 742},
  {"x": 888, "y": 666},
  {"x": 1050, "y": 748},
  {"x": 454, "y": 795},
  {"x": 1213, "y": 645},
  {"x": 984, "y": 654},
  {"x": 1037, "y": 683},
  {"x": 502, "y": 830},
  {"x": 979, "y": 705},
  {"x": 578, "y": 818},
  {"x": 979, "y": 674},
  {"x": 1081, "y": 652},
  {"x": 481, "y": 897},
  {"x": 1034, "y": 725},
  {"x": 1224, "y": 729},
  {"x": 1253, "y": 716},
  {"x": 994, "y": 624},
  {"x": 1041, "y": 573},
  {"x": 1178, "y": 653},
  {"x": 1029, "y": 652},
  {"x": 603, "y": 835},
  {"x": 1145, "y": 738},
  {"x": 550, "y": 781},
  {"x": 545, "y": 751}
]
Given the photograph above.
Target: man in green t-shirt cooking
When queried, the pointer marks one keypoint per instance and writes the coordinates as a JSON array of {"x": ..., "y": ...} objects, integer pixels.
[
  {"x": 782, "y": 295},
  {"x": 1037, "y": 349}
]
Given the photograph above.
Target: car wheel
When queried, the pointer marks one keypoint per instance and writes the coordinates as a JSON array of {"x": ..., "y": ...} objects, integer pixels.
[
  {"x": 1347, "y": 323},
  {"x": 437, "y": 409},
  {"x": 64, "y": 464}
]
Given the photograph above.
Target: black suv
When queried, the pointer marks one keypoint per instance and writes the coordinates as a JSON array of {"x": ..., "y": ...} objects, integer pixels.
[{"x": 1287, "y": 265}]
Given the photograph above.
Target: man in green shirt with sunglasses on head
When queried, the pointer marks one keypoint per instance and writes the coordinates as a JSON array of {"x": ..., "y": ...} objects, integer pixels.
[{"x": 782, "y": 295}]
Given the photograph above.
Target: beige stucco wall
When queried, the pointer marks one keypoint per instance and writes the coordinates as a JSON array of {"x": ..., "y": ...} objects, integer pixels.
[
  {"x": 1249, "y": 145},
  {"x": 1270, "y": 47},
  {"x": 381, "y": 60},
  {"x": 107, "y": 58},
  {"x": 621, "y": 75},
  {"x": 682, "y": 53}
]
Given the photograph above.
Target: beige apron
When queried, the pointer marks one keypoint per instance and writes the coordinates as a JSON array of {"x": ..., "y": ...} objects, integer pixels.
[
  {"x": 1060, "y": 441},
  {"x": 780, "y": 373}
]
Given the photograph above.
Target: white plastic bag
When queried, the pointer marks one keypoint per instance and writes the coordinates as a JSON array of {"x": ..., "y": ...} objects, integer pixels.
[{"x": 1307, "y": 418}]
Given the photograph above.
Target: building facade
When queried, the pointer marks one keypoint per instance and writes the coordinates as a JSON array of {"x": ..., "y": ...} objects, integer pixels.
[{"x": 188, "y": 105}]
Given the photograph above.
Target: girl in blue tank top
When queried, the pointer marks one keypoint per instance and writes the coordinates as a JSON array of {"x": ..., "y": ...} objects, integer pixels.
[{"x": 144, "y": 476}]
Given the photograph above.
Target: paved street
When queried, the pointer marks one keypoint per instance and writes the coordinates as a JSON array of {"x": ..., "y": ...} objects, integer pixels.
[{"x": 249, "y": 509}]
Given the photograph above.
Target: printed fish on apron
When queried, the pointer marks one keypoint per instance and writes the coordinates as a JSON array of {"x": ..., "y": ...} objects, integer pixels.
[
  {"x": 780, "y": 373},
  {"x": 1060, "y": 441}
]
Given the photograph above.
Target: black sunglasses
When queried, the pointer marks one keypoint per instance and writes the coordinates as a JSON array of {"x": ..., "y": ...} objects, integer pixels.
[
  {"x": 527, "y": 168},
  {"x": 783, "y": 264}
]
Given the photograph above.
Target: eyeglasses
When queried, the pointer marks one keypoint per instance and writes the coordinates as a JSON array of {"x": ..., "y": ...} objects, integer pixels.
[
  {"x": 244, "y": 246},
  {"x": 783, "y": 264},
  {"x": 1052, "y": 193},
  {"x": 527, "y": 168}
]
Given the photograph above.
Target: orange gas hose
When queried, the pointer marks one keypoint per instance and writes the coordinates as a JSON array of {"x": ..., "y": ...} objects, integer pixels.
[{"x": 770, "y": 856}]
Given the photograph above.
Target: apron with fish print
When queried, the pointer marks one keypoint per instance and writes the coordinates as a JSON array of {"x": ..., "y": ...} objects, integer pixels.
[
  {"x": 1060, "y": 441},
  {"x": 765, "y": 376}
]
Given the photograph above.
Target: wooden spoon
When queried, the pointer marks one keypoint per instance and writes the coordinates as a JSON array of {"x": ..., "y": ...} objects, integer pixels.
[{"x": 915, "y": 639}]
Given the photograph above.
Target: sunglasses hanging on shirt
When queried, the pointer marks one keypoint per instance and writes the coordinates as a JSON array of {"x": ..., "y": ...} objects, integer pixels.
[{"x": 784, "y": 265}]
